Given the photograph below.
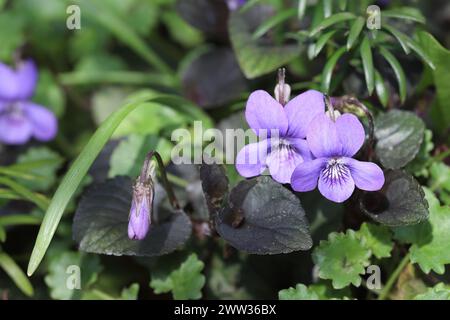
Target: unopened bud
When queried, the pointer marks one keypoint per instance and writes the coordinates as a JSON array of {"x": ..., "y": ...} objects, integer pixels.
[
  {"x": 140, "y": 217},
  {"x": 282, "y": 90}
]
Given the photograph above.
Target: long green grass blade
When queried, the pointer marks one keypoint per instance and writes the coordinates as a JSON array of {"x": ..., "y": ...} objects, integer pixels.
[
  {"x": 19, "y": 219},
  {"x": 355, "y": 30},
  {"x": 328, "y": 69},
  {"x": 81, "y": 165},
  {"x": 273, "y": 22},
  {"x": 38, "y": 199},
  {"x": 335, "y": 18},
  {"x": 398, "y": 70},
  {"x": 367, "y": 60},
  {"x": 16, "y": 274}
]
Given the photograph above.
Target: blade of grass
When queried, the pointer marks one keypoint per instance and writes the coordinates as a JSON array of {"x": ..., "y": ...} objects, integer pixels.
[
  {"x": 104, "y": 16},
  {"x": 328, "y": 69},
  {"x": 274, "y": 21},
  {"x": 398, "y": 71},
  {"x": 82, "y": 163},
  {"x": 322, "y": 41},
  {"x": 19, "y": 219},
  {"x": 38, "y": 199},
  {"x": 366, "y": 56},
  {"x": 381, "y": 89},
  {"x": 355, "y": 30},
  {"x": 335, "y": 18},
  {"x": 16, "y": 274}
]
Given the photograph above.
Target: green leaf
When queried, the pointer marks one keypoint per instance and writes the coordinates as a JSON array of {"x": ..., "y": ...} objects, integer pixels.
[
  {"x": 322, "y": 41},
  {"x": 143, "y": 120},
  {"x": 377, "y": 239},
  {"x": 366, "y": 56},
  {"x": 440, "y": 177},
  {"x": 301, "y": 8},
  {"x": 38, "y": 199},
  {"x": 101, "y": 222},
  {"x": 123, "y": 31},
  {"x": 342, "y": 258},
  {"x": 300, "y": 292},
  {"x": 128, "y": 156},
  {"x": 328, "y": 69},
  {"x": 130, "y": 293},
  {"x": 399, "y": 136},
  {"x": 355, "y": 31},
  {"x": 418, "y": 166},
  {"x": 441, "y": 59},
  {"x": 400, "y": 201},
  {"x": 381, "y": 89},
  {"x": 262, "y": 217},
  {"x": 185, "y": 283},
  {"x": 401, "y": 37},
  {"x": 11, "y": 34},
  {"x": 398, "y": 70},
  {"x": 273, "y": 21},
  {"x": 181, "y": 31},
  {"x": 317, "y": 291},
  {"x": 331, "y": 20},
  {"x": 257, "y": 57},
  {"x": 81, "y": 165},
  {"x": 47, "y": 172},
  {"x": 19, "y": 219},
  {"x": 59, "y": 271},
  {"x": 438, "y": 292},
  {"x": 16, "y": 274},
  {"x": 406, "y": 13},
  {"x": 430, "y": 238},
  {"x": 327, "y": 8},
  {"x": 49, "y": 93}
]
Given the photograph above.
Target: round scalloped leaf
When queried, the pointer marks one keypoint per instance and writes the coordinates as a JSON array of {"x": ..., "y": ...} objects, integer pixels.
[
  {"x": 101, "y": 221},
  {"x": 377, "y": 239},
  {"x": 430, "y": 239},
  {"x": 399, "y": 135},
  {"x": 263, "y": 217},
  {"x": 300, "y": 292},
  {"x": 400, "y": 202},
  {"x": 438, "y": 292},
  {"x": 342, "y": 259}
]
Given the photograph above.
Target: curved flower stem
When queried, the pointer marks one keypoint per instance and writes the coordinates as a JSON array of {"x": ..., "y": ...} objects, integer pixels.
[
  {"x": 393, "y": 278},
  {"x": 145, "y": 174}
]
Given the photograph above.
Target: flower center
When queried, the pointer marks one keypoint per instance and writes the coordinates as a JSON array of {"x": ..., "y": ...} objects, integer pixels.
[
  {"x": 335, "y": 172},
  {"x": 13, "y": 110}
]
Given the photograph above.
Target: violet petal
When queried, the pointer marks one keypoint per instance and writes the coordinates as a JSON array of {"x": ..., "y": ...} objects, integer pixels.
[
  {"x": 367, "y": 175},
  {"x": 301, "y": 110}
]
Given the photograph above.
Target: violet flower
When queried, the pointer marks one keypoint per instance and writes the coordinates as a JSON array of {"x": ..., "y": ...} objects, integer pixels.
[
  {"x": 21, "y": 119},
  {"x": 141, "y": 209},
  {"x": 283, "y": 153},
  {"x": 334, "y": 143}
]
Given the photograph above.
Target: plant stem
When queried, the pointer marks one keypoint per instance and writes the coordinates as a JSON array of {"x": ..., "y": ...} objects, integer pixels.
[{"x": 393, "y": 278}]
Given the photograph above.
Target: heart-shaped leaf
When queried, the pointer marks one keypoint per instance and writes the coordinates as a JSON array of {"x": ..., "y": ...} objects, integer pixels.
[
  {"x": 202, "y": 84},
  {"x": 400, "y": 202},
  {"x": 214, "y": 184},
  {"x": 399, "y": 134},
  {"x": 257, "y": 56},
  {"x": 263, "y": 217},
  {"x": 101, "y": 221}
]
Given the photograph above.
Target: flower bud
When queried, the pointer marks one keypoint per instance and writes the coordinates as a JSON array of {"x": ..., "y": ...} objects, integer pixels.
[{"x": 141, "y": 210}]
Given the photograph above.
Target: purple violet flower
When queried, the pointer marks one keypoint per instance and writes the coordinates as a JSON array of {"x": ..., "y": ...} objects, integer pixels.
[
  {"x": 284, "y": 152},
  {"x": 333, "y": 144},
  {"x": 141, "y": 209},
  {"x": 21, "y": 119}
]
